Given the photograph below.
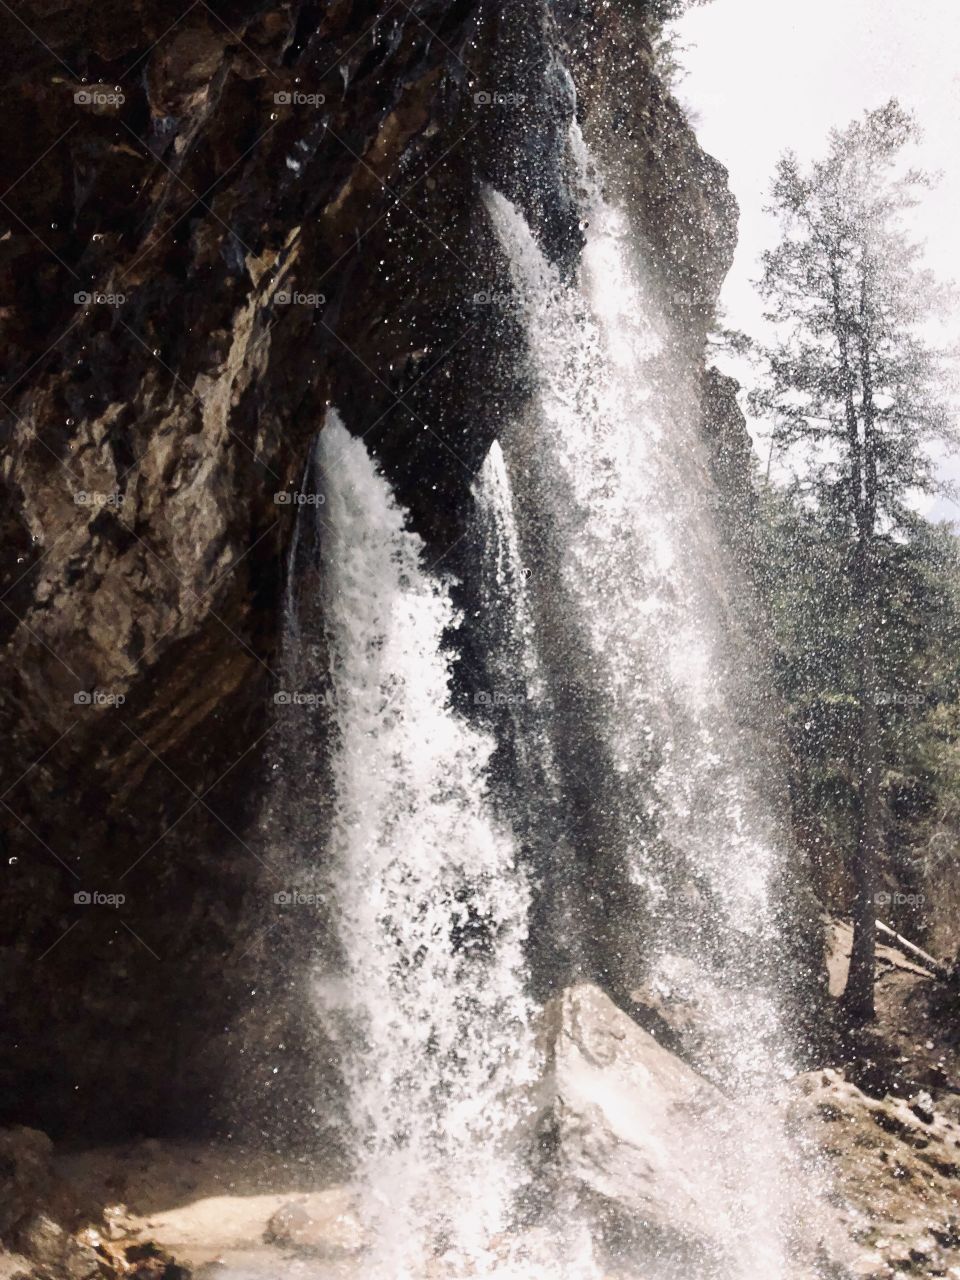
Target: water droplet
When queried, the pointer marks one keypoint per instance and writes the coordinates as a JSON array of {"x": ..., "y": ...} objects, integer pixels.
[
  {"x": 12, "y": 861},
  {"x": 53, "y": 226},
  {"x": 69, "y": 422}
]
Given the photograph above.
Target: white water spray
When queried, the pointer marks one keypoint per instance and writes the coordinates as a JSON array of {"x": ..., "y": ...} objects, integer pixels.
[
  {"x": 428, "y": 999},
  {"x": 433, "y": 875},
  {"x": 614, "y": 468}
]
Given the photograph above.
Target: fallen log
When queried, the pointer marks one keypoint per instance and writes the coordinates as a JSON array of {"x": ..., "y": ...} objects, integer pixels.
[{"x": 937, "y": 968}]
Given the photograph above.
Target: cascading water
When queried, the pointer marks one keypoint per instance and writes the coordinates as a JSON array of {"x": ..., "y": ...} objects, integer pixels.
[
  {"x": 596, "y": 814},
  {"x": 428, "y": 999},
  {"x": 613, "y": 490}
]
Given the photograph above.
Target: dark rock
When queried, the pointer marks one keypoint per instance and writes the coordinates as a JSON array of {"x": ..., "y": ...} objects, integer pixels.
[
  {"x": 56, "y": 1253},
  {"x": 27, "y": 1178},
  {"x": 305, "y": 152},
  {"x": 149, "y": 1262}
]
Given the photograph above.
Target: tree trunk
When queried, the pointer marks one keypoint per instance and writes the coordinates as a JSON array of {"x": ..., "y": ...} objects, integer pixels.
[{"x": 858, "y": 996}]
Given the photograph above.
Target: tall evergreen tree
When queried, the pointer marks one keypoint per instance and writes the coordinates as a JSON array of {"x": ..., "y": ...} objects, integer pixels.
[{"x": 856, "y": 387}]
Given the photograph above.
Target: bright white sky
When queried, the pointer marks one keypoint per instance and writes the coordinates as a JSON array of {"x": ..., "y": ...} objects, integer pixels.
[{"x": 767, "y": 75}]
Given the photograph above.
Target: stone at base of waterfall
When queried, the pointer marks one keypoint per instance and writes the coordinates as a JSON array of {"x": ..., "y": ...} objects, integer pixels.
[
  {"x": 322, "y": 1225},
  {"x": 639, "y": 1133}
]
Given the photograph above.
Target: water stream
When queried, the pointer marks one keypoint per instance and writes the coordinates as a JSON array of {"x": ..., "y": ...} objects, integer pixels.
[{"x": 597, "y": 813}]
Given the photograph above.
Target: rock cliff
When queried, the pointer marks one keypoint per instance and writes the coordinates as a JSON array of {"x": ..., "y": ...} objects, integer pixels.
[{"x": 217, "y": 221}]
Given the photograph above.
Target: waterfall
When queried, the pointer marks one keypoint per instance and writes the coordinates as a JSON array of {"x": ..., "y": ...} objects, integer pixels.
[
  {"x": 427, "y": 997},
  {"x": 589, "y": 802},
  {"x": 615, "y": 505}
]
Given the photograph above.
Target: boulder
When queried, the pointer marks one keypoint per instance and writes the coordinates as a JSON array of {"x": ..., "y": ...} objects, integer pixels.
[
  {"x": 26, "y": 1174},
  {"x": 42, "y": 1217},
  {"x": 55, "y": 1253},
  {"x": 39, "y": 1211},
  {"x": 639, "y": 1133},
  {"x": 324, "y": 1225}
]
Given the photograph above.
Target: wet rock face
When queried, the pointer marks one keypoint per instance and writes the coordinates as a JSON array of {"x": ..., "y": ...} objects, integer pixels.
[{"x": 217, "y": 225}]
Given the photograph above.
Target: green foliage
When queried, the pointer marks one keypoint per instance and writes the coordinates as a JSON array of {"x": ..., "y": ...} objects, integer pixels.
[
  {"x": 805, "y": 563},
  {"x": 668, "y": 49},
  {"x": 808, "y": 564},
  {"x": 664, "y": 11},
  {"x": 864, "y": 595}
]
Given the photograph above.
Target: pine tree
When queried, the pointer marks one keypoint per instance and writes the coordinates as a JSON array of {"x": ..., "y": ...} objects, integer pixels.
[{"x": 856, "y": 388}]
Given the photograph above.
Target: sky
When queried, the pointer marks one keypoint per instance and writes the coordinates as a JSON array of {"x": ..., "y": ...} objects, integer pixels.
[{"x": 766, "y": 75}]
